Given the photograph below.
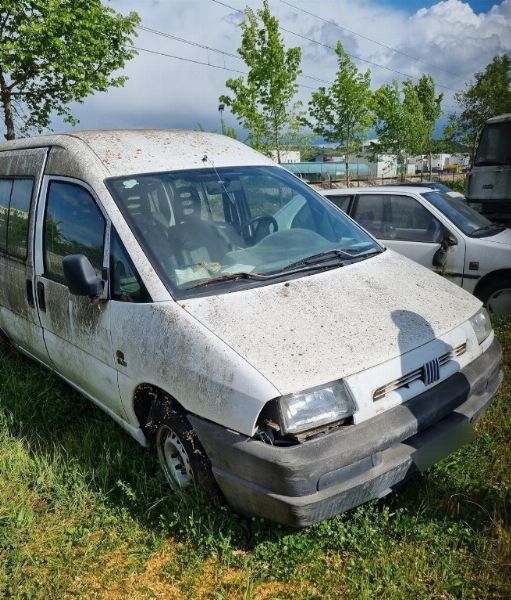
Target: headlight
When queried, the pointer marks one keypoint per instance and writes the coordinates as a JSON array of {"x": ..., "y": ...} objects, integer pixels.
[
  {"x": 315, "y": 407},
  {"x": 482, "y": 325}
]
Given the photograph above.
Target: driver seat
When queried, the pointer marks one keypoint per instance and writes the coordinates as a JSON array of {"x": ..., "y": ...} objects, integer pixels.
[{"x": 193, "y": 239}]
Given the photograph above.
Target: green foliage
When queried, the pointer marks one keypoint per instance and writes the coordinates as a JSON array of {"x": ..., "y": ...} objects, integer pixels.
[
  {"x": 488, "y": 96},
  {"x": 263, "y": 102},
  {"x": 431, "y": 110},
  {"x": 401, "y": 124},
  {"x": 342, "y": 113},
  {"x": 54, "y": 52}
]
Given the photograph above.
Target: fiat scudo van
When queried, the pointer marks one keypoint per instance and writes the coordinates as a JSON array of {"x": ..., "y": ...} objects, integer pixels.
[{"x": 219, "y": 309}]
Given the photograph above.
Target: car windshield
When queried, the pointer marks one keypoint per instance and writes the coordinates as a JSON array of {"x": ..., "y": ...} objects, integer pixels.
[
  {"x": 495, "y": 145},
  {"x": 235, "y": 226},
  {"x": 463, "y": 216}
]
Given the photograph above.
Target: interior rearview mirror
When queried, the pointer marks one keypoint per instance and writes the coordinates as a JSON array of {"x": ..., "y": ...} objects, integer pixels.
[{"x": 80, "y": 276}]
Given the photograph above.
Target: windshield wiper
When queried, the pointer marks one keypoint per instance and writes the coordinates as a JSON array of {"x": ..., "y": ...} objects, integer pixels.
[
  {"x": 231, "y": 277},
  {"x": 337, "y": 253}
]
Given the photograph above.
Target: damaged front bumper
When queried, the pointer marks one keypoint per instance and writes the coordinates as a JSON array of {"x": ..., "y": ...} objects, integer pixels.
[{"x": 299, "y": 485}]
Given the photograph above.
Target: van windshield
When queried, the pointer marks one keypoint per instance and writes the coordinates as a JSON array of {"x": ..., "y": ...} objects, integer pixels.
[
  {"x": 235, "y": 226},
  {"x": 495, "y": 145}
]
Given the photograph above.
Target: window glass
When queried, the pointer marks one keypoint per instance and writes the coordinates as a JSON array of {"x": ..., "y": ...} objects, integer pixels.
[
  {"x": 463, "y": 216},
  {"x": 126, "y": 285},
  {"x": 341, "y": 201},
  {"x": 17, "y": 235},
  {"x": 369, "y": 212},
  {"x": 235, "y": 220},
  {"x": 410, "y": 221},
  {"x": 73, "y": 224},
  {"x": 5, "y": 196},
  {"x": 495, "y": 145}
]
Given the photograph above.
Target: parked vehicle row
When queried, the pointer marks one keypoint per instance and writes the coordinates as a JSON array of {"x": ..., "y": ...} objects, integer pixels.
[
  {"x": 440, "y": 232},
  {"x": 219, "y": 309}
]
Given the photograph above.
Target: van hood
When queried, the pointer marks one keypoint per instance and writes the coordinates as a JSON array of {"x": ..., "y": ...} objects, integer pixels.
[{"x": 318, "y": 328}]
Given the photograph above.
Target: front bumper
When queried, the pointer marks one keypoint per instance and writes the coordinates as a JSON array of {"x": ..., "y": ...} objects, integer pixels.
[{"x": 299, "y": 485}]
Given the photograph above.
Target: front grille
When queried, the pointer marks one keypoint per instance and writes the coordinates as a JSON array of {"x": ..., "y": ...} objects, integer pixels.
[{"x": 421, "y": 374}]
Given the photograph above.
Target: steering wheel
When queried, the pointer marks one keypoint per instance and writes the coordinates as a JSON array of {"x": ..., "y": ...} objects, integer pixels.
[{"x": 258, "y": 224}]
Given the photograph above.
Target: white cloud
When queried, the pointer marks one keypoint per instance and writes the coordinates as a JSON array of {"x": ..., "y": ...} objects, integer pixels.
[{"x": 165, "y": 92}]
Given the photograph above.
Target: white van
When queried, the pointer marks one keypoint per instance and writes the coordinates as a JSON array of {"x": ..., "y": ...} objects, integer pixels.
[
  {"x": 438, "y": 231},
  {"x": 282, "y": 355}
]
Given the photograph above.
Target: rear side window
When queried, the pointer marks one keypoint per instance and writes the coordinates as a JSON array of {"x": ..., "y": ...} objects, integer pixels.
[
  {"x": 73, "y": 224},
  {"x": 15, "y": 199},
  {"x": 370, "y": 213},
  {"x": 341, "y": 202},
  {"x": 5, "y": 198}
]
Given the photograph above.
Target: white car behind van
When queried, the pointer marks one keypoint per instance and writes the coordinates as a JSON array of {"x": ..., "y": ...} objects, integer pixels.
[
  {"x": 438, "y": 231},
  {"x": 219, "y": 309}
]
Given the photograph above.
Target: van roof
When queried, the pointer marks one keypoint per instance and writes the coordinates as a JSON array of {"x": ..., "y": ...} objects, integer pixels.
[{"x": 130, "y": 151}]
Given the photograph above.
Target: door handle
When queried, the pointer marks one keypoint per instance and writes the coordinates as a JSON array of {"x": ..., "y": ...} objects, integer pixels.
[
  {"x": 30, "y": 293},
  {"x": 41, "y": 300}
]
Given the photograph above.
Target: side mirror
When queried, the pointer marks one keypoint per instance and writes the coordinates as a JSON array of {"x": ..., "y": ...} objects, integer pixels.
[
  {"x": 450, "y": 240},
  {"x": 80, "y": 276}
]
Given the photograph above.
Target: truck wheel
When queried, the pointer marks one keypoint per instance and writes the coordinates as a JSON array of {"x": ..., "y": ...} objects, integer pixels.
[
  {"x": 496, "y": 296},
  {"x": 180, "y": 453}
]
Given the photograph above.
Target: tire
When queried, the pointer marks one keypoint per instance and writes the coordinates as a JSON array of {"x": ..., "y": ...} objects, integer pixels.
[
  {"x": 496, "y": 296},
  {"x": 179, "y": 451}
]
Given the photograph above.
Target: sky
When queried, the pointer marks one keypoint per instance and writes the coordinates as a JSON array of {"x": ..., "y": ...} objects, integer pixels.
[{"x": 450, "y": 39}]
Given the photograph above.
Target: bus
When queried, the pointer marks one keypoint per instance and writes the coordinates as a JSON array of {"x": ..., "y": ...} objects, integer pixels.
[{"x": 489, "y": 182}]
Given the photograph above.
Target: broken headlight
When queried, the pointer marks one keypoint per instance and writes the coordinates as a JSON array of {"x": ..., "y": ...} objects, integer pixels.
[{"x": 314, "y": 408}]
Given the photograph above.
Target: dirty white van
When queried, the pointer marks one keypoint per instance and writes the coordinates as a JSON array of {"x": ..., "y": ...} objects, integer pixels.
[{"x": 214, "y": 305}]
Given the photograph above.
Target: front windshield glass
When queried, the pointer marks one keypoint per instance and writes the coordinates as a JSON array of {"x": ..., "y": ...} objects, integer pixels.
[
  {"x": 463, "y": 216},
  {"x": 495, "y": 145},
  {"x": 210, "y": 225}
]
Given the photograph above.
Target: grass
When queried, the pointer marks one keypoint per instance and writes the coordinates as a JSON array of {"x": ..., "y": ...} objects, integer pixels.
[{"x": 84, "y": 513}]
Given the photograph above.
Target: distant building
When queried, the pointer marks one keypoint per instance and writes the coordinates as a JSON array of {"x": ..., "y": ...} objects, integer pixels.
[{"x": 286, "y": 156}]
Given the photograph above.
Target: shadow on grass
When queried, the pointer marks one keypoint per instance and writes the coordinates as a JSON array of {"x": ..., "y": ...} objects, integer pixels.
[{"x": 56, "y": 422}]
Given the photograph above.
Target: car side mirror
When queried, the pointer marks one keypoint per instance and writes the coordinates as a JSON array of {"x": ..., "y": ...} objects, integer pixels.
[
  {"x": 80, "y": 276},
  {"x": 450, "y": 240}
]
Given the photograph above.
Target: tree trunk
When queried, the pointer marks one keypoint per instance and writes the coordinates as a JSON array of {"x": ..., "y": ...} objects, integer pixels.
[
  {"x": 6, "y": 99},
  {"x": 430, "y": 163},
  {"x": 347, "y": 167}
]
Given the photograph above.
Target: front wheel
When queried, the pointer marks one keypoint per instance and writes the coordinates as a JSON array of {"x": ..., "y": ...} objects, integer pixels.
[
  {"x": 496, "y": 296},
  {"x": 180, "y": 453}
]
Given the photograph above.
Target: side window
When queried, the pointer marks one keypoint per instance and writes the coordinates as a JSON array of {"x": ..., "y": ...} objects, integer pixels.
[
  {"x": 5, "y": 198},
  {"x": 125, "y": 282},
  {"x": 413, "y": 222},
  {"x": 17, "y": 229},
  {"x": 15, "y": 198},
  {"x": 73, "y": 224},
  {"x": 369, "y": 212},
  {"x": 341, "y": 202}
]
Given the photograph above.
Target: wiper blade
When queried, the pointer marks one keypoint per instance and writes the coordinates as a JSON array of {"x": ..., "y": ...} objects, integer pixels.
[
  {"x": 231, "y": 277},
  {"x": 329, "y": 255}
]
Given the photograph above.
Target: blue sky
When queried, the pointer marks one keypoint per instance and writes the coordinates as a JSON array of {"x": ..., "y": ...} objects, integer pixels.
[
  {"x": 449, "y": 39},
  {"x": 412, "y": 6}
]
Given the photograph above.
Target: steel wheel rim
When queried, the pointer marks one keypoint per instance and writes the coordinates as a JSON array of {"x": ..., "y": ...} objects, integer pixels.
[
  {"x": 499, "y": 303},
  {"x": 173, "y": 458}
]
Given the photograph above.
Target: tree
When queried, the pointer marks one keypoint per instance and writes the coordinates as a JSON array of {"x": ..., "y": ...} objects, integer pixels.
[
  {"x": 400, "y": 123},
  {"x": 54, "y": 52},
  {"x": 342, "y": 113},
  {"x": 431, "y": 110},
  {"x": 262, "y": 102},
  {"x": 488, "y": 96}
]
